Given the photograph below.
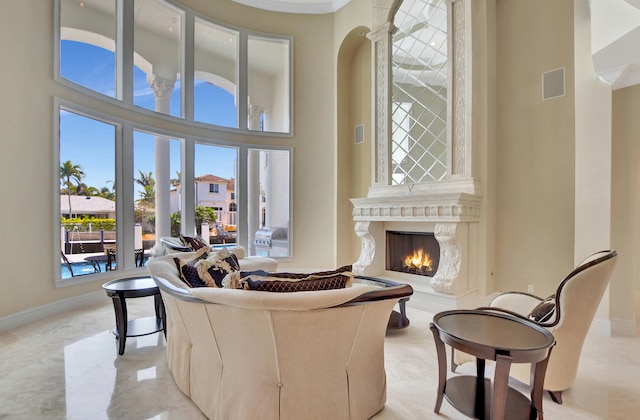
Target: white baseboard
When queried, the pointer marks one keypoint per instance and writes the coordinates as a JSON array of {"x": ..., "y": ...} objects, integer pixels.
[
  {"x": 624, "y": 327},
  {"x": 38, "y": 313}
]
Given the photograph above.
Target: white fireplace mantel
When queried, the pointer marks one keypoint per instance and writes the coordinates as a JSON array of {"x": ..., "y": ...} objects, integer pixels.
[
  {"x": 437, "y": 208},
  {"x": 452, "y": 217}
]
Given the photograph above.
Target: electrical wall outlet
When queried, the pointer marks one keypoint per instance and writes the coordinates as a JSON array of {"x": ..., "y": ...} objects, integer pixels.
[{"x": 530, "y": 288}]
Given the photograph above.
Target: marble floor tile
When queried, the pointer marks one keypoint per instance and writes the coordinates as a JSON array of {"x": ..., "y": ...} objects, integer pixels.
[{"x": 67, "y": 367}]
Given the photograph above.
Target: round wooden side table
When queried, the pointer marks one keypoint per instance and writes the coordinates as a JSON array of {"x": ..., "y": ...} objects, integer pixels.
[
  {"x": 398, "y": 319},
  {"x": 491, "y": 335},
  {"x": 134, "y": 287}
]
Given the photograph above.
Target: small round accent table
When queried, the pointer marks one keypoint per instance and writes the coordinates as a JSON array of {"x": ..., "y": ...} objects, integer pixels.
[
  {"x": 398, "y": 319},
  {"x": 134, "y": 287},
  {"x": 491, "y": 335}
]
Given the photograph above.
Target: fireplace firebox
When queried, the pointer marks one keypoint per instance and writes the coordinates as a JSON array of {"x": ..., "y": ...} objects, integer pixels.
[{"x": 412, "y": 252}]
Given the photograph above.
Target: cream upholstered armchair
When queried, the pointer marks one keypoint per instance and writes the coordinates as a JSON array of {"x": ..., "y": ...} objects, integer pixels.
[{"x": 567, "y": 314}]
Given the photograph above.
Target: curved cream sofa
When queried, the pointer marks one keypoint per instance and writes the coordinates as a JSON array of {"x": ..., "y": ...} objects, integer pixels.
[{"x": 242, "y": 354}]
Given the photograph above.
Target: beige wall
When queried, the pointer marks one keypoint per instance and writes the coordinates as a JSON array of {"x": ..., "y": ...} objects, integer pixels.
[
  {"x": 535, "y": 147},
  {"x": 626, "y": 206},
  {"x": 593, "y": 151}
]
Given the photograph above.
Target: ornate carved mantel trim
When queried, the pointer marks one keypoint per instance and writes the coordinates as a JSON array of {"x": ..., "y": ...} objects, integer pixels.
[
  {"x": 443, "y": 208},
  {"x": 450, "y": 257}
]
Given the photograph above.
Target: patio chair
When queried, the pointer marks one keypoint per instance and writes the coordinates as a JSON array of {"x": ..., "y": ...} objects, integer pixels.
[
  {"x": 110, "y": 252},
  {"x": 139, "y": 257},
  {"x": 66, "y": 262},
  {"x": 172, "y": 244},
  {"x": 567, "y": 315}
]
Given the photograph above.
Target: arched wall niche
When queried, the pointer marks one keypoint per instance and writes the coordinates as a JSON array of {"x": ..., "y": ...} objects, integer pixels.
[{"x": 353, "y": 159}]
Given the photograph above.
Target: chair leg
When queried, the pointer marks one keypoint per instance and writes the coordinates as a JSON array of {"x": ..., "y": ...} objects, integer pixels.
[{"x": 556, "y": 396}]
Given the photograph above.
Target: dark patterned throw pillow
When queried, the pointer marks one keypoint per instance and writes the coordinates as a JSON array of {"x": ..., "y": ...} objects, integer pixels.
[
  {"x": 194, "y": 243},
  {"x": 544, "y": 310},
  {"x": 215, "y": 268},
  {"x": 292, "y": 282},
  {"x": 187, "y": 269},
  {"x": 302, "y": 285}
]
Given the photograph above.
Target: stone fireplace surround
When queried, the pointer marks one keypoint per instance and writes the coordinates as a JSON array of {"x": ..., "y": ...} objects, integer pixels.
[
  {"x": 450, "y": 208},
  {"x": 452, "y": 217}
]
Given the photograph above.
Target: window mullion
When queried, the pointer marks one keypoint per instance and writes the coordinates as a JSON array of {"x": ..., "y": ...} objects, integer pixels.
[
  {"x": 242, "y": 88},
  {"x": 188, "y": 59},
  {"x": 124, "y": 51},
  {"x": 125, "y": 200},
  {"x": 242, "y": 199},
  {"x": 187, "y": 164}
]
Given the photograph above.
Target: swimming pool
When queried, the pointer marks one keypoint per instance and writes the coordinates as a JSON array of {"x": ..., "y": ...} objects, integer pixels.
[{"x": 80, "y": 269}]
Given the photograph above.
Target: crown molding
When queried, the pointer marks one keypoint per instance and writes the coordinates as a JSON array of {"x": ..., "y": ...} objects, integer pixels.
[{"x": 293, "y": 6}]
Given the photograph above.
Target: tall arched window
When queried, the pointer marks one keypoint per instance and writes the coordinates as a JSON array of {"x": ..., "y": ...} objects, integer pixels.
[
  {"x": 163, "y": 58},
  {"x": 122, "y": 183}
]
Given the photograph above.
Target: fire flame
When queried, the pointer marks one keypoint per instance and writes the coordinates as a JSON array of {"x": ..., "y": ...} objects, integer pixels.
[{"x": 420, "y": 260}]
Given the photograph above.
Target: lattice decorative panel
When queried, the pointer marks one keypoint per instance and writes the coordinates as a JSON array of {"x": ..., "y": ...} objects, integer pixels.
[{"x": 419, "y": 92}]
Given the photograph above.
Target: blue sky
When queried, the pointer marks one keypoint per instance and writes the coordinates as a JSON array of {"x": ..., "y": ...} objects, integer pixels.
[{"x": 91, "y": 144}]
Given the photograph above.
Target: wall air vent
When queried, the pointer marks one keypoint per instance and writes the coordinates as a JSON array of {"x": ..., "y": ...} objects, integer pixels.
[
  {"x": 553, "y": 84},
  {"x": 359, "y": 134}
]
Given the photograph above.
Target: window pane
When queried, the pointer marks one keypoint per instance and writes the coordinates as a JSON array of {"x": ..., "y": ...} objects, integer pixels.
[
  {"x": 87, "y": 44},
  {"x": 268, "y": 84},
  {"x": 419, "y": 92},
  {"x": 268, "y": 206},
  {"x": 215, "y": 173},
  {"x": 87, "y": 194},
  {"x": 146, "y": 186},
  {"x": 215, "y": 77},
  {"x": 157, "y": 56}
]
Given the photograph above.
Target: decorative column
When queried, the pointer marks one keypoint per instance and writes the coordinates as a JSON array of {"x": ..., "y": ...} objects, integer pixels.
[
  {"x": 381, "y": 54},
  {"x": 162, "y": 89},
  {"x": 460, "y": 39}
]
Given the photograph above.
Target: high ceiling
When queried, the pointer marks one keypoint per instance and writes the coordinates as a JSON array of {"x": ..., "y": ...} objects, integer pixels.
[{"x": 296, "y": 6}]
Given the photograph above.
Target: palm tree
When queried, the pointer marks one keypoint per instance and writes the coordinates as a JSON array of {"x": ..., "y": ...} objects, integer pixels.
[
  {"x": 146, "y": 179},
  {"x": 69, "y": 172},
  {"x": 175, "y": 181},
  {"x": 148, "y": 193}
]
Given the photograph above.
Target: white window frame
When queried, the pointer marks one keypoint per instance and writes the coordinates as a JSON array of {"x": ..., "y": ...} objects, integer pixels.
[
  {"x": 124, "y": 77},
  {"x": 125, "y": 194}
]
